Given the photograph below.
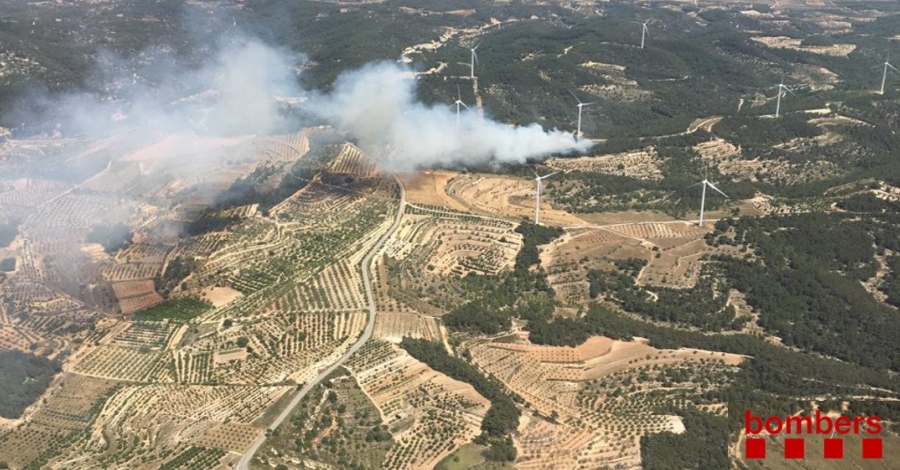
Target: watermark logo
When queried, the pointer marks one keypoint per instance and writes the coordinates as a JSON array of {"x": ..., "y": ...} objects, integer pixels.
[{"x": 793, "y": 428}]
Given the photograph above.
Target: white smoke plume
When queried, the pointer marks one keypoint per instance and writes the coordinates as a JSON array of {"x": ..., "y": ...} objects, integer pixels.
[
  {"x": 377, "y": 105},
  {"x": 230, "y": 93},
  {"x": 234, "y": 93}
]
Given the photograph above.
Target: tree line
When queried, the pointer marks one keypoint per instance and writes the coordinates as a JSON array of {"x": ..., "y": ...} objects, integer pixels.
[
  {"x": 25, "y": 377},
  {"x": 503, "y": 415}
]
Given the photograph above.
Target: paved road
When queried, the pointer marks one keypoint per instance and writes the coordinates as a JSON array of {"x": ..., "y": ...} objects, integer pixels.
[{"x": 244, "y": 463}]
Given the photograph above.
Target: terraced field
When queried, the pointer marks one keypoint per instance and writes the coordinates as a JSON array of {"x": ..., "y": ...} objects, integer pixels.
[
  {"x": 196, "y": 389},
  {"x": 590, "y": 409}
]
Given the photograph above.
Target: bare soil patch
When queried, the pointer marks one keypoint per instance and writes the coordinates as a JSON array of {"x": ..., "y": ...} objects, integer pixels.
[
  {"x": 430, "y": 188},
  {"x": 220, "y": 296}
]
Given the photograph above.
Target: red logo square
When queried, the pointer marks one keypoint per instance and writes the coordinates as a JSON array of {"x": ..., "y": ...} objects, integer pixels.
[
  {"x": 794, "y": 448},
  {"x": 755, "y": 448},
  {"x": 871, "y": 448},
  {"x": 834, "y": 448}
]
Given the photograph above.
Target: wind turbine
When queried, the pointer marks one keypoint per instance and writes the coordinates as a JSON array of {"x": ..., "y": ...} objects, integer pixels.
[
  {"x": 887, "y": 64},
  {"x": 781, "y": 89},
  {"x": 538, "y": 183},
  {"x": 458, "y": 103},
  {"x": 644, "y": 31},
  {"x": 706, "y": 183},
  {"x": 580, "y": 107},
  {"x": 473, "y": 60}
]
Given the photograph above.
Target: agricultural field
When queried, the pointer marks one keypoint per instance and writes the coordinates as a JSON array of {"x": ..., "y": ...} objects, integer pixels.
[
  {"x": 432, "y": 248},
  {"x": 393, "y": 327},
  {"x": 223, "y": 310},
  {"x": 72, "y": 405},
  {"x": 592, "y": 403},
  {"x": 674, "y": 254},
  {"x": 508, "y": 198},
  {"x": 335, "y": 424},
  {"x": 429, "y": 414},
  {"x": 429, "y": 188}
]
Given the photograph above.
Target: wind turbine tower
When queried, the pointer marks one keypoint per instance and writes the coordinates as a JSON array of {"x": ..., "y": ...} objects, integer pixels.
[
  {"x": 472, "y": 60},
  {"x": 580, "y": 107},
  {"x": 538, "y": 182},
  {"x": 644, "y": 31},
  {"x": 706, "y": 183},
  {"x": 458, "y": 103},
  {"x": 782, "y": 88},
  {"x": 887, "y": 64}
]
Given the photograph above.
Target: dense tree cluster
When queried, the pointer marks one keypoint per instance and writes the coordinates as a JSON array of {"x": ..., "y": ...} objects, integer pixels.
[
  {"x": 176, "y": 271},
  {"x": 703, "y": 305},
  {"x": 501, "y": 450},
  {"x": 886, "y": 410},
  {"x": 523, "y": 293},
  {"x": 478, "y": 316},
  {"x": 752, "y": 133},
  {"x": 25, "y": 377},
  {"x": 890, "y": 285},
  {"x": 868, "y": 202},
  {"x": 177, "y": 309},
  {"x": 533, "y": 236},
  {"x": 702, "y": 445},
  {"x": 805, "y": 283}
]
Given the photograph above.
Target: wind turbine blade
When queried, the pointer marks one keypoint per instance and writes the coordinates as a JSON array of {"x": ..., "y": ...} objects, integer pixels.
[
  {"x": 551, "y": 174},
  {"x": 895, "y": 68},
  {"x": 463, "y": 105},
  {"x": 476, "y": 45},
  {"x": 695, "y": 184},
  {"x": 789, "y": 91},
  {"x": 589, "y": 103},
  {"x": 716, "y": 189},
  {"x": 537, "y": 176},
  {"x": 458, "y": 93},
  {"x": 475, "y": 56},
  {"x": 576, "y": 96}
]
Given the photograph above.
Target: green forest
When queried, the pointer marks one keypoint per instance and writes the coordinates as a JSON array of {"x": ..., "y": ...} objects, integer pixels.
[
  {"x": 804, "y": 280},
  {"x": 25, "y": 377},
  {"x": 703, "y": 445},
  {"x": 522, "y": 293}
]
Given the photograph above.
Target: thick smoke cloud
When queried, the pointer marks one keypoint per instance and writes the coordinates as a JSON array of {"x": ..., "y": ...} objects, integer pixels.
[
  {"x": 377, "y": 105},
  {"x": 234, "y": 93},
  {"x": 231, "y": 93}
]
